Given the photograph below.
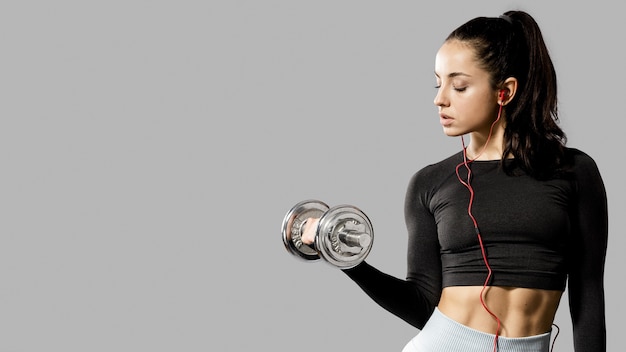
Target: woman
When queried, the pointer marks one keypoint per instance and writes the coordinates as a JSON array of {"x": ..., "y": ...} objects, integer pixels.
[{"x": 497, "y": 231}]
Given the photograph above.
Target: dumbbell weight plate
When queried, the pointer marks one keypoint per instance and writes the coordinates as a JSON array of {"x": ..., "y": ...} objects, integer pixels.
[
  {"x": 338, "y": 221},
  {"x": 293, "y": 226}
]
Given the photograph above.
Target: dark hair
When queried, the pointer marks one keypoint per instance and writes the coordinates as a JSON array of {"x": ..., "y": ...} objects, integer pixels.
[{"x": 512, "y": 46}]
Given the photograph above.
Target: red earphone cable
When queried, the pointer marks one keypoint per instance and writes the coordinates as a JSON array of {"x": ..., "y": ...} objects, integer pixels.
[
  {"x": 558, "y": 330},
  {"x": 468, "y": 185}
]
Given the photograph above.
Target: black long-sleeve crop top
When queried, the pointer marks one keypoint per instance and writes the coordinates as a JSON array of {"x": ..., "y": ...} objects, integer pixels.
[{"x": 544, "y": 234}]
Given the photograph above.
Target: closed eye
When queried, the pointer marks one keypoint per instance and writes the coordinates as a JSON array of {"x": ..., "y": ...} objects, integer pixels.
[{"x": 460, "y": 89}]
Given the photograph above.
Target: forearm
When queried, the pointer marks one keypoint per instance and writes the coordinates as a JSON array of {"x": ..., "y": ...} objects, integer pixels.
[{"x": 402, "y": 298}]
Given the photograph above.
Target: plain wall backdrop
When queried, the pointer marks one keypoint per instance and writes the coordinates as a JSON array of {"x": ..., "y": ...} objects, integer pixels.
[{"x": 150, "y": 149}]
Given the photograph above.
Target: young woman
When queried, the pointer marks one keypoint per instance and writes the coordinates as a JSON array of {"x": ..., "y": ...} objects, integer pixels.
[{"x": 497, "y": 231}]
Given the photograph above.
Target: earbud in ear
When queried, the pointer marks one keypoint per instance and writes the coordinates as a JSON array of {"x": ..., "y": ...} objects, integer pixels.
[{"x": 502, "y": 96}]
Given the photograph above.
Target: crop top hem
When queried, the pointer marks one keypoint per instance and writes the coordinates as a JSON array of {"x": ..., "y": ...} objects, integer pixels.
[{"x": 521, "y": 280}]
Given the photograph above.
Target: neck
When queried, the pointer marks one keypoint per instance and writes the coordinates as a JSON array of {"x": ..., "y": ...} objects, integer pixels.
[
  {"x": 483, "y": 147},
  {"x": 488, "y": 143}
]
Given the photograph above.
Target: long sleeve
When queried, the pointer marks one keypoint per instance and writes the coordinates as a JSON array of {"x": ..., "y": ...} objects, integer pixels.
[
  {"x": 587, "y": 259},
  {"x": 415, "y": 298}
]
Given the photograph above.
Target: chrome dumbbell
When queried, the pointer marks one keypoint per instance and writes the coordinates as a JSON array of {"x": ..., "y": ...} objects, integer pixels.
[{"x": 343, "y": 237}]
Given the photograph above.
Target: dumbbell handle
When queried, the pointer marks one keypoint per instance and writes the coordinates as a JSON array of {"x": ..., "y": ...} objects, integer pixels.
[
  {"x": 354, "y": 238},
  {"x": 350, "y": 238}
]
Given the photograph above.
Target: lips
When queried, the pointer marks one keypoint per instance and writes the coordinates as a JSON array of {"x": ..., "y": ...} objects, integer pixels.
[{"x": 445, "y": 120}]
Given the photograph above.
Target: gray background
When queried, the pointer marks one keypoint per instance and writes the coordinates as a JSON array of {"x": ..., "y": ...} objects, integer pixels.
[{"x": 150, "y": 150}]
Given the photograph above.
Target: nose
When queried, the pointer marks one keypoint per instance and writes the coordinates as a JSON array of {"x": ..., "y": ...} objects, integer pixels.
[{"x": 440, "y": 99}]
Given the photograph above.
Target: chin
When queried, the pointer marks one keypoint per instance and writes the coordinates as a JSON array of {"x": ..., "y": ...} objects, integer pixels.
[{"x": 452, "y": 132}]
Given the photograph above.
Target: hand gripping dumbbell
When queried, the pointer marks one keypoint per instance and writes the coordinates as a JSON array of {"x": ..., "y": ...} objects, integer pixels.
[{"x": 343, "y": 237}]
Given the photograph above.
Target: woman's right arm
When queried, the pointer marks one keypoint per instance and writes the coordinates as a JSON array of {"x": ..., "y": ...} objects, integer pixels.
[{"x": 415, "y": 298}]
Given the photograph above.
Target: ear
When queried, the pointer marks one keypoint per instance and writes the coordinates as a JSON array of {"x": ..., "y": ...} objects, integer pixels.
[{"x": 507, "y": 91}]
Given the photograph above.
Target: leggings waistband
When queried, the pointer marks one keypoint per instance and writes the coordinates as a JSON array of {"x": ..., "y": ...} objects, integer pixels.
[{"x": 444, "y": 334}]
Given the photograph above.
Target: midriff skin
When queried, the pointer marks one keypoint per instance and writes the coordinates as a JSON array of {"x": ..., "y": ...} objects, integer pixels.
[{"x": 522, "y": 311}]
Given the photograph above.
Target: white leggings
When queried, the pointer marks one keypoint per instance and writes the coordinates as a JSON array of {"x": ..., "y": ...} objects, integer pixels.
[{"x": 442, "y": 334}]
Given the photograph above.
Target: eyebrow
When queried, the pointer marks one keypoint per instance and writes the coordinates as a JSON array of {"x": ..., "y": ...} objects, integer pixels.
[{"x": 455, "y": 74}]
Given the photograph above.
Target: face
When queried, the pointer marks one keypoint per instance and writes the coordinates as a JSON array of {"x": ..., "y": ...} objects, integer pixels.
[{"x": 466, "y": 100}]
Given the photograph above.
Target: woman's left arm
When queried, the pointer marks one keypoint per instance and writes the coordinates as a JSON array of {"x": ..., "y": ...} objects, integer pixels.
[{"x": 587, "y": 258}]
